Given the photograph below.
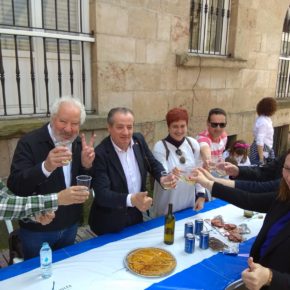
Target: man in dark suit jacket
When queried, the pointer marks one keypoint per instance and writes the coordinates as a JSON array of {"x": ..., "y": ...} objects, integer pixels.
[
  {"x": 120, "y": 169},
  {"x": 39, "y": 167}
]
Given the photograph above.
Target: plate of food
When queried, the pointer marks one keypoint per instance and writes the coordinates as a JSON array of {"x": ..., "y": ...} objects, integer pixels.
[{"x": 150, "y": 262}]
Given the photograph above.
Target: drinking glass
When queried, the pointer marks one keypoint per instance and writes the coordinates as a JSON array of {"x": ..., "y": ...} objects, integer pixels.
[
  {"x": 185, "y": 173},
  {"x": 84, "y": 180},
  {"x": 66, "y": 144},
  {"x": 216, "y": 166},
  {"x": 167, "y": 183}
]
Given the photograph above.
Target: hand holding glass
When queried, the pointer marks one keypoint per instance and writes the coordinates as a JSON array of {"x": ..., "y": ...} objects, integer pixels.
[
  {"x": 168, "y": 180},
  {"x": 185, "y": 173},
  {"x": 66, "y": 144},
  {"x": 216, "y": 165}
]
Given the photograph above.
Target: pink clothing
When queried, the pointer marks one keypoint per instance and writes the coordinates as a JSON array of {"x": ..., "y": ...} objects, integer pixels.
[{"x": 217, "y": 148}]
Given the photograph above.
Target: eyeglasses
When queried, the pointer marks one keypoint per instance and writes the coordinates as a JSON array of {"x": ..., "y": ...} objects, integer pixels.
[
  {"x": 181, "y": 157},
  {"x": 215, "y": 125}
]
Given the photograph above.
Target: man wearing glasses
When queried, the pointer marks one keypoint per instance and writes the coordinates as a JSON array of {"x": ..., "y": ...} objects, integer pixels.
[{"x": 213, "y": 140}]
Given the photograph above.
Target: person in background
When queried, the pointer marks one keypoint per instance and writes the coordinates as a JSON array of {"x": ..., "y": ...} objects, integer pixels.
[
  {"x": 18, "y": 207},
  {"x": 175, "y": 152},
  {"x": 268, "y": 265},
  {"x": 213, "y": 140},
  {"x": 238, "y": 152},
  {"x": 120, "y": 168},
  {"x": 40, "y": 167},
  {"x": 261, "y": 150}
]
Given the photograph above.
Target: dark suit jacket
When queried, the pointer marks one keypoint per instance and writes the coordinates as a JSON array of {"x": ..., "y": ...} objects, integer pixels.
[
  {"x": 109, "y": 212},
  {"x": 26, "y": 176},
  {"x": 258, "y": 186},
  {"x": 277, "y": 256},
  {"x": 270, "y": 171}
]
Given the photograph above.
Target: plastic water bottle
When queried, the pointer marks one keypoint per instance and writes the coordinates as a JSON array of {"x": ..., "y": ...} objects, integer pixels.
[{"x": 45, "y": 261}]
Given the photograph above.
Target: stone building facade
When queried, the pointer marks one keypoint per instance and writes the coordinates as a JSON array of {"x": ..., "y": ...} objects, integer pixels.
[{"x": 140, "y": 60}]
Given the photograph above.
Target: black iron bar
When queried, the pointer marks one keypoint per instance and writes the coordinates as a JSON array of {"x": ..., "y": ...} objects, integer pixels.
[
  {"x": 191, "y": 25},
  {"x": 210, "y": 25},
  {"x": 222, "y": 27},
  {"x": 228, "y": 24},
  {"x": 59, "y": 74},
  {"x": 32, "y": 72},
  {"x": 17, "y": 71},
  {"x": 199, "y": 24},
  {"x": 216, "y": 31},
  {"x": 46, "y": 76},
  {"x": 71, "y": 73},
  {"x": 204, "y": 28},
  {"x": 2, "y": 79},
  {"x": 83, "y": 73}
]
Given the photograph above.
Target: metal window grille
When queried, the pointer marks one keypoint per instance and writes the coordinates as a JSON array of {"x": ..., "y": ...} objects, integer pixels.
[
  {"x": 209, "y": 26},
  {"x": 44, "y": 54},
  {"x": 282, "y": 88}
]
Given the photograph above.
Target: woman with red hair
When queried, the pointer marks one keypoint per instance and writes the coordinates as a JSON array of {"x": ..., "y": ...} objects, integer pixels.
[{"x": 177, "y": 151}]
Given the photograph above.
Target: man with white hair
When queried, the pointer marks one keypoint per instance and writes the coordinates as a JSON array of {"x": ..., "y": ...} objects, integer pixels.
[{"x": 41, "y": 166}]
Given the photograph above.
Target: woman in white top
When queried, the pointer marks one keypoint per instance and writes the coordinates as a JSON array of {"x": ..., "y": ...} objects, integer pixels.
[
  {"x": 177, "y": 151},
  {"x": 261, "y": 150}
]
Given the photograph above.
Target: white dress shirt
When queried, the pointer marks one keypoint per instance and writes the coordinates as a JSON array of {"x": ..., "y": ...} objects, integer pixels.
[{"x": 131, "y": 170}]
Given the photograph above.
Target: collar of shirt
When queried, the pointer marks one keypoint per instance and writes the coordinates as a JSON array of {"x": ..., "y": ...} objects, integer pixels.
[{"x": 118, "y": 149}]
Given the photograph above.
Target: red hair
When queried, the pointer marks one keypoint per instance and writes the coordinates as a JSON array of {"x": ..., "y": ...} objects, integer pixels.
[{"x": 176, "y": 114}]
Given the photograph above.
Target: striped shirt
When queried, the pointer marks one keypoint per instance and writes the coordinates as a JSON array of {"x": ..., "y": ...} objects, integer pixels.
[
  {"x": 17, "y": 207},
  {"x": 217, "y": 147}
]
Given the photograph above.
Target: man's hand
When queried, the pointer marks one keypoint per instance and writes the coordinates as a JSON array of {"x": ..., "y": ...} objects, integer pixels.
[
  {"x": 45, "y": 218},
  {"x": 256, "y": 275},
  {"x": 57, "y": 157},
  {"x": 88, "y": 152},
  {"x": 141, "y": 201},
  {"x": 73, "y": 195}
]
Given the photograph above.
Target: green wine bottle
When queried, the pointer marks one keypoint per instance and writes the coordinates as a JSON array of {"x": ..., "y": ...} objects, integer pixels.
[{"x": 169, "y": 226}]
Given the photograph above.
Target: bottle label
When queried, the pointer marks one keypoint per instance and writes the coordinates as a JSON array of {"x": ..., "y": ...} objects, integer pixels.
[{"x": 169, "y": 231}]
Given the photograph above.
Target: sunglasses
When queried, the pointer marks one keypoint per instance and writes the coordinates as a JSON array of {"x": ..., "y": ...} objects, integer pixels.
[
  {"x": 181, "y": 157},
  {"x": 215, "y": 125}
]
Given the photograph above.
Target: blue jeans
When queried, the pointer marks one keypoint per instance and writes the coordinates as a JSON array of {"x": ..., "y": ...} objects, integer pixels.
[{"x": 32, "y": 241}]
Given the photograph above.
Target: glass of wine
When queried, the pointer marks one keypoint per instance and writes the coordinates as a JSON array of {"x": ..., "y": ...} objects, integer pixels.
[
  {"x": 67, "y": 144},
  {"x": 185, "y": 172}
]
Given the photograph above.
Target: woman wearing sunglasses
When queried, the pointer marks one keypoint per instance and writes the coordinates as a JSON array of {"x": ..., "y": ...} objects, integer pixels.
[
  {"x": 177, "y": 152},
  {"x": 261, "y": 150}
]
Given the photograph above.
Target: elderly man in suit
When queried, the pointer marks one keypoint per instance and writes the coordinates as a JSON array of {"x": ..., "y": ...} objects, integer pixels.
[
  {"x": 41, "y": 167},
  {"x": 120, "y": 168}
]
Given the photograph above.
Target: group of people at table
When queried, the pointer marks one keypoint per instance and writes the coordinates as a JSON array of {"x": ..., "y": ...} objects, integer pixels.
[{"x": 48, "y": 203}]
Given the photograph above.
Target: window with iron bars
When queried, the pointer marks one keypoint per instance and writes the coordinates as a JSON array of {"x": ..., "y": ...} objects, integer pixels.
[
  {"x": 282, "y": 89},
  {"x": 209, "y": 26},
  {"x": 44, "y": 54}
]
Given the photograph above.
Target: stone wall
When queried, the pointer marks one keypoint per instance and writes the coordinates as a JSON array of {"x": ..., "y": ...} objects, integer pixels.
[{"x": 141, "y": 61}]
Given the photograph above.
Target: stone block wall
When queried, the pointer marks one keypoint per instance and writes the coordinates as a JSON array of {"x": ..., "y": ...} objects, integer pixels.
[{"x": 141, "y": 61}]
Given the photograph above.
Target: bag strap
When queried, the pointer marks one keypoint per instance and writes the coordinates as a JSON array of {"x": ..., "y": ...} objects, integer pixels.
[
  {"x": 187, "y": 139},
  {"x": 166, "y": 148}
]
